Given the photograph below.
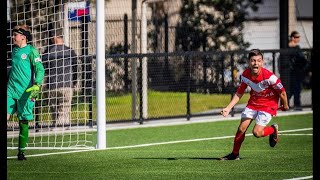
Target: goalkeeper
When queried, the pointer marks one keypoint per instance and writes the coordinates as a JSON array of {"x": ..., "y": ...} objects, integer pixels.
[{"x": 25, "y": 78}]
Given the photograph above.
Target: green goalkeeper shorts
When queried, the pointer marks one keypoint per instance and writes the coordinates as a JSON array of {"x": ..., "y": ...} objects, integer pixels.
[{"x": 24, "y": 108}]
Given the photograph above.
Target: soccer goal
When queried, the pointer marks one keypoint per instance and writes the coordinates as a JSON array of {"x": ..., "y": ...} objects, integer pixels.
[{"x": 66, "y": 115}]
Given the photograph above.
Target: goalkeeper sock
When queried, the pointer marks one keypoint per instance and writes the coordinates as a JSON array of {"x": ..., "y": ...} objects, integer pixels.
[
  {"x": 267, "y": 131},
  {"x": 23, "y": 135},
  {"x": 238, "y": 139}
]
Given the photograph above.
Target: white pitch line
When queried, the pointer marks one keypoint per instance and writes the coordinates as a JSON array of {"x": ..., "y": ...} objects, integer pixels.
[
  {"x": 172, "y": 142},
  {"x": 296, "y": 130},
  {"x": 300, "y": 178},
  {"x": 151, "y": 144},
  {"x": 296, "y": 134}
]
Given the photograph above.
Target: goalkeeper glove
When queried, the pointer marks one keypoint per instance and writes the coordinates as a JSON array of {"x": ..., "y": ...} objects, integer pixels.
[{"x": 34, "y": 92}]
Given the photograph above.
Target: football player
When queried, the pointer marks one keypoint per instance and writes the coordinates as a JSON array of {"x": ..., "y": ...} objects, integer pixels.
[
  {"x": 266, "y": 90},
  {"x": 25, "y": 78}
]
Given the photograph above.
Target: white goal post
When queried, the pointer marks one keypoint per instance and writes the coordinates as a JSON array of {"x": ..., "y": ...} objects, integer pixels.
[{"x": 101, "y": 79}]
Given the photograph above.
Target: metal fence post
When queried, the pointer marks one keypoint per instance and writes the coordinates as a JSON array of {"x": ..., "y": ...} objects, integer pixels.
[
  {"x": 141, "y": 118},
  {"x": 188, "y": 60}
]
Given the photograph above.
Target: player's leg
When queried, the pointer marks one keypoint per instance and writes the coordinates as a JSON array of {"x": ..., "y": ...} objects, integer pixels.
[
  {"x": 11, "y": 106},
  {"x": 11, "y": 109},
  {"x": 246, "y": 119},
  {"x": 238, "y": 139},
  {"x": 261, "y": 131},
  {"x": 23, "y": 138},
  {"x": 25, "y": 114},
  {"x": 261, "y": 128},
  {"x": 240, "y": 135},
  {"x": 274, "y": 138}
]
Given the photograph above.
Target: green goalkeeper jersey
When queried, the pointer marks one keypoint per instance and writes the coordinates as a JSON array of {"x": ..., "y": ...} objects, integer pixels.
[{"x": 26, "y": 70}]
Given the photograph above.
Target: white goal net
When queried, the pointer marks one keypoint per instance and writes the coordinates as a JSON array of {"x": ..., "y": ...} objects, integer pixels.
[{"x": 64, "y": 115}]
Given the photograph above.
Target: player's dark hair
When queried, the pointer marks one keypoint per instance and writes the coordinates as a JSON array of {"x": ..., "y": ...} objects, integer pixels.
[
  {"x": 255, "y": 52},
  {"x": 24, "y": 30}
]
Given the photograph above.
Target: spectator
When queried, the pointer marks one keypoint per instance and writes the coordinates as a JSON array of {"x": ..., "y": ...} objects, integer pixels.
[
  {"x": 298, "y": 67},
  {"x": 59, "y": 60},
  {"x": 25, "y": 77}
]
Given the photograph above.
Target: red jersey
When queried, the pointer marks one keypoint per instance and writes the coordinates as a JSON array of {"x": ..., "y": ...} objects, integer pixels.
[{"x": 265, "y": 90}]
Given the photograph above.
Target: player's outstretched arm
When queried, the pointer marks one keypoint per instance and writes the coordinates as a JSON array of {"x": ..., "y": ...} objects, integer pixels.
[{"x": 235, "y": 99}]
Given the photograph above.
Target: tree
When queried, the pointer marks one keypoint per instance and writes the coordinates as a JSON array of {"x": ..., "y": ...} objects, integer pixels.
[{"x": 213, "y": 24}]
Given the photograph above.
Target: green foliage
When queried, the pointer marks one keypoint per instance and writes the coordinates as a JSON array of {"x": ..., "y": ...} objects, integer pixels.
[
  {"x": 213, "y": 25},
  {"x": 116, "y": 48}
]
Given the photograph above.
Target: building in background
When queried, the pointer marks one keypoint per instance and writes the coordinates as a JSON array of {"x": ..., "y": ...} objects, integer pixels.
[{"x": 262, "y": 28}]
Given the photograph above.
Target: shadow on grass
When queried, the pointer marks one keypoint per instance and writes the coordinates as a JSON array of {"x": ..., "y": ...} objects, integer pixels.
[{"x": 180, "y": 158}]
